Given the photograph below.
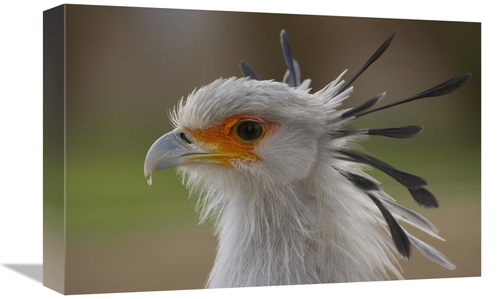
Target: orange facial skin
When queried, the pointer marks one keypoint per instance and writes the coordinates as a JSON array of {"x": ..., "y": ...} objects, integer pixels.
[{"x": 225, "y": 145}]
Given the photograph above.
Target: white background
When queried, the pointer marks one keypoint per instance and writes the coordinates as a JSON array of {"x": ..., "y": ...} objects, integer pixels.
[{"x": 21, "y": 144}]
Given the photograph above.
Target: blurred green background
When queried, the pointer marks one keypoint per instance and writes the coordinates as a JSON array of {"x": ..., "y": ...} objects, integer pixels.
[{"x": 126, "y": 66}]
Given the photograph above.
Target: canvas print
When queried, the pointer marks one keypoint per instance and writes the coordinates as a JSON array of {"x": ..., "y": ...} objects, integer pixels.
[{"x": 189, "y": 149}]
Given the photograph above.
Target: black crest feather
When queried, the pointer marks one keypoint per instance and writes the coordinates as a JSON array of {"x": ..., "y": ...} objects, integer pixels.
[
  {"x": 362, "y": 107},
  {"x": 292, "y": 77},
  {"x": 398, "y": 235},
  {"x": 408, "y": 180},
  {"x": 413, "y": 183},
  {"x": 402, "y": 132},
  {"x": 424, "y": 197},
  {"x": 438, "y": 90},
  {"x": 248, "y": 71},
  {"x": 372, "y": 59},
  {"x": 362, "y": 182}
]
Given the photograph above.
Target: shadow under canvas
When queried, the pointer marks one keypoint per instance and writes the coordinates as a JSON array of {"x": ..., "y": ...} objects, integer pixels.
[{"x": 33, "y": 271}]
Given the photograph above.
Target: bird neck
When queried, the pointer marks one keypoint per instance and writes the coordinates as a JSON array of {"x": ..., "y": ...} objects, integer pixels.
[
  {"x": 295, "y": 233},
  {"x": 265, "y": 237}
]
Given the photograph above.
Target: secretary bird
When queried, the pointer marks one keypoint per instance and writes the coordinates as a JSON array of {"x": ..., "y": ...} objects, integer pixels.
[{"x": 277, "y": 169}]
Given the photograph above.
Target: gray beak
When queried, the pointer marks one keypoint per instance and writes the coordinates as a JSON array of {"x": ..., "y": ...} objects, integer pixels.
[{"x": 168, "y": 151}]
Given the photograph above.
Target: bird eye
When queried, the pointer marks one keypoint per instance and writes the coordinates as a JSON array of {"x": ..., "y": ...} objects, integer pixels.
[{"x": 249, "y": 130}]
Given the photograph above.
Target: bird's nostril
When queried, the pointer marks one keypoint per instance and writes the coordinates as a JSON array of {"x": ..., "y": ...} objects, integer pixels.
[{"x": 184, "y": 138}]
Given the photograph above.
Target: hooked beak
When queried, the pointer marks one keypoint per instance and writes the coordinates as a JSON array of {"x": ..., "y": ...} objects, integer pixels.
[{"x": 166, "y": 152}]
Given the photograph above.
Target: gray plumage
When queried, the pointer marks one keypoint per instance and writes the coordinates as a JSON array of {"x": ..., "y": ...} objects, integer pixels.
[{"x": 302, "y": 210}]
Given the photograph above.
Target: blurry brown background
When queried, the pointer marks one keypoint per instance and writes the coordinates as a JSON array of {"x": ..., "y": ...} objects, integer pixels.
[{"x": 126, "y": 66}]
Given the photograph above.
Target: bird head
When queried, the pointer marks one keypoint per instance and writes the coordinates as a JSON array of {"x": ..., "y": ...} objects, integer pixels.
[
  {"x": 279, "y": 141},
  {"x": 271, "y": 130},
  {"x": 234, "y": 126}
]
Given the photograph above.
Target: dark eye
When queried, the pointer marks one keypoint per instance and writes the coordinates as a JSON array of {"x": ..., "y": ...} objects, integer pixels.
[{"x": 249, "y": 130}]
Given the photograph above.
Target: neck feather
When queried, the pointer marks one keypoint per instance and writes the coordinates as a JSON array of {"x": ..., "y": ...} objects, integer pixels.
[{"x": 318, "y": 230}]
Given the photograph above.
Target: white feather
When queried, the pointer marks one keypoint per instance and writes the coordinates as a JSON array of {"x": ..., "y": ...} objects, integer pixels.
[{"x": 292, "y": 217}]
